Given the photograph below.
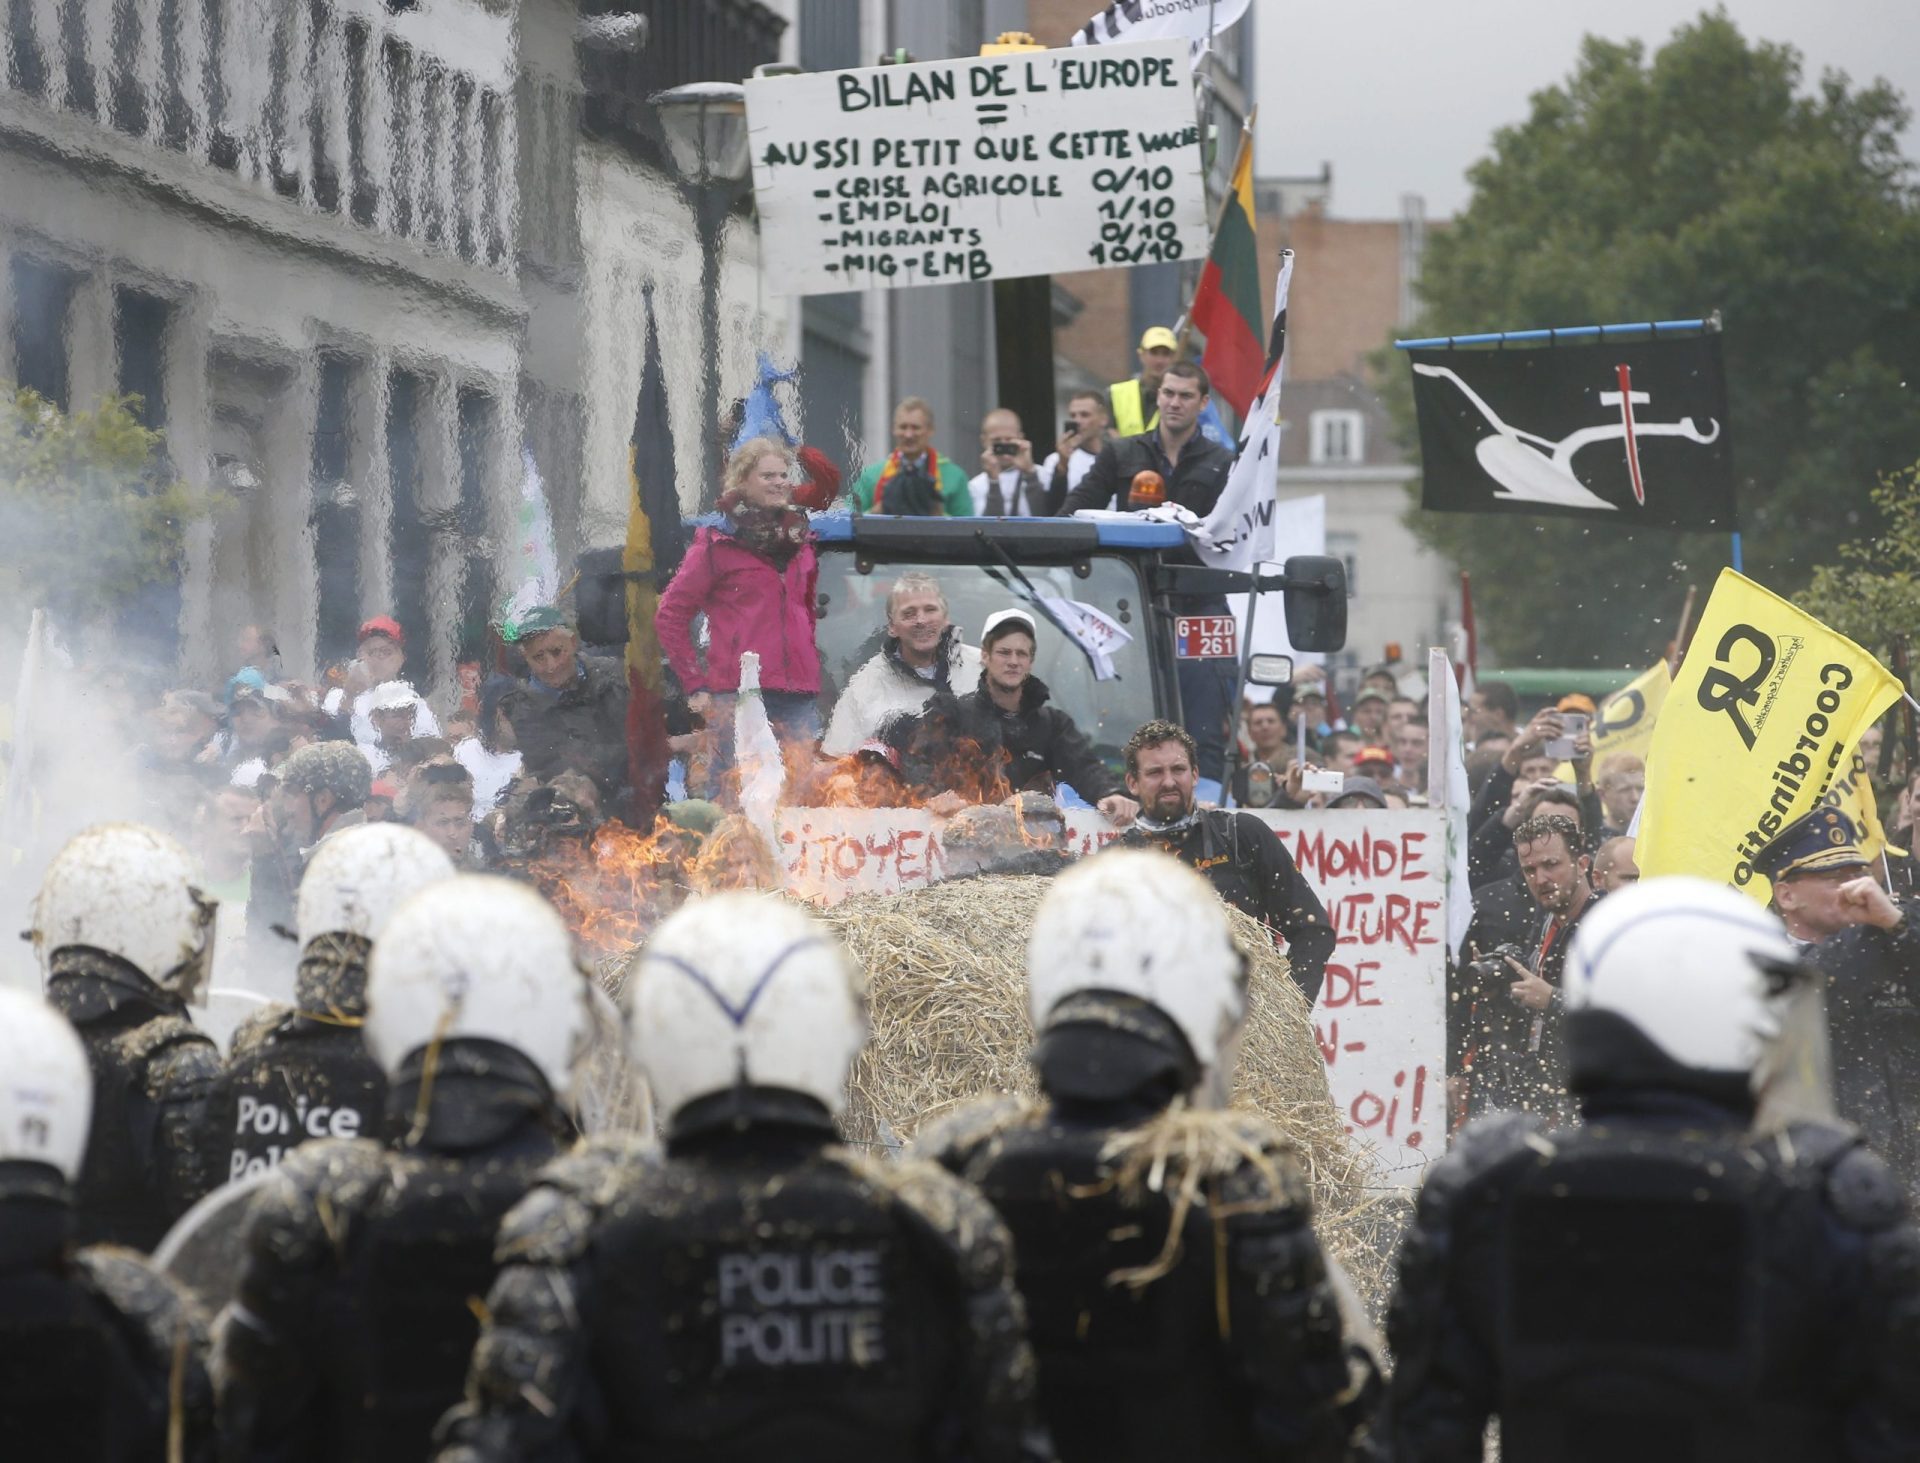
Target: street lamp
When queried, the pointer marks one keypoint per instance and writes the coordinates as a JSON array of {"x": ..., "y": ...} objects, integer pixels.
[{"x": 705, "y": 126}]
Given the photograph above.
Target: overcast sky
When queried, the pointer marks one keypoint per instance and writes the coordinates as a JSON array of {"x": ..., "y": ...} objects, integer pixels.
[{"x": 1402, "y": 96}]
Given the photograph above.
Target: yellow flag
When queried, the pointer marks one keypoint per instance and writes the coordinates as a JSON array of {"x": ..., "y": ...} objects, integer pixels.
[
  {"x": 1758, "y": 727},
  {"x": 1625, "y": 722},
  {"x": 1852, "y": 794}
]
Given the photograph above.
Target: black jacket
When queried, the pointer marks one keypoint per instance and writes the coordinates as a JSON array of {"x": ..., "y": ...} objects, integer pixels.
[
  {"x": 582, "y": 728},
  {"x": 1652, "y": 1276},
  {"x": 1033, "y": 749},
  {"x": 1873, "y": 1013},
  {"x": 1195, "y": 483},
  {"x": 1515, "y": 1057},
  {"x": 1247, "y": 863}
]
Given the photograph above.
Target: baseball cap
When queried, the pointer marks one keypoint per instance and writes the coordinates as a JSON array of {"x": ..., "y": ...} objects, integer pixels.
[
  {"x": 383, "y": 625},
  {"x": 1001, "y": 617},
  {"x": 1372, "y": 754},
  {"x": 1370, "y": 693},
  {"x": 393, "y": 696},
  {"x": 537, "y": 621},
  {"x": 1575, "y": 701},
  {"x": 1158, "y": 337}
]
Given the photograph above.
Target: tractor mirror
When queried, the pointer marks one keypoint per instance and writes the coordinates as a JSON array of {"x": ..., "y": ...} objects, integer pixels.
[
  {"x": 1270, "y": 670},
  {"x": 1316, "y": 602}
]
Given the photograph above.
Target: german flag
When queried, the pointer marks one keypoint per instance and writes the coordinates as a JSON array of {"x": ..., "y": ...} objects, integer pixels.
[
  {"x": 1226, "y": 307},
  {"x": 655, "y": 543}
]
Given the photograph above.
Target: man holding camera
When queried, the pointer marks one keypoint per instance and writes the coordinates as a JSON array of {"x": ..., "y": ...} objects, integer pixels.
[
  {"x": 1008, "y": 484},
  {"x": 1513, "y": 1056}
]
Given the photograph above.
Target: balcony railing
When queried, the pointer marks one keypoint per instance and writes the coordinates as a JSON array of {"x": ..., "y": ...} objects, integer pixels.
[{"x": 317, "y": 103}]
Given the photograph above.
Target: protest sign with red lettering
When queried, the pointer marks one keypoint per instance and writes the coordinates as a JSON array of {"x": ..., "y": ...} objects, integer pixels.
[{"x": 1382, "y": 874}]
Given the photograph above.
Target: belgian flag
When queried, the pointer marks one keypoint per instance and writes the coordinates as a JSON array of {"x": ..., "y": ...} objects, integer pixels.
[
  {"x": 655, "y": 543},
  {"x": 1226, "y": 307}
]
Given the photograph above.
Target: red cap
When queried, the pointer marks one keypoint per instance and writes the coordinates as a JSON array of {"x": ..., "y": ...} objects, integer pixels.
[
  {"x": 384, "y": 788},
  {"x": 383, "y": 625},
  {"x": 1372, "y": 754}
]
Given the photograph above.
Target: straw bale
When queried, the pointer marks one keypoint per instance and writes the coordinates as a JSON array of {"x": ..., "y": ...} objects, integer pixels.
[{"x": 947, "y": 997}]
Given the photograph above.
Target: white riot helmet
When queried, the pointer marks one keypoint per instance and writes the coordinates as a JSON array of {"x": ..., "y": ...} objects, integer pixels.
[
  {"x": 1141, "y": 923},
  {"x": 360, "y": 875},
  {"x": 745, "y": 990},
  {"x": 132, "y": 892},
  {"x": 1698, "y": 973},
  {"x": 478, "y": 957},
  {"x": 46, "y": 1087}
]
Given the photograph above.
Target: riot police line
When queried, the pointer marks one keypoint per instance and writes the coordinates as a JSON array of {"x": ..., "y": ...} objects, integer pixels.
[{"x": 1124, "y": 1269}]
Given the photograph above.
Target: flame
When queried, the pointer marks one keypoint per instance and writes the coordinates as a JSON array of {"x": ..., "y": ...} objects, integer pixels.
[{"x": 615, "y": 888}]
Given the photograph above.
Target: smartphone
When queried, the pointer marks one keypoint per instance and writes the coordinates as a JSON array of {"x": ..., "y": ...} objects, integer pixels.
[
  {"x": 1006, "y": 449},
  {"x": 1573, "y": 726},
  {"x": 1322, "y": 779},
  {"x": 1069, "y": 427}
]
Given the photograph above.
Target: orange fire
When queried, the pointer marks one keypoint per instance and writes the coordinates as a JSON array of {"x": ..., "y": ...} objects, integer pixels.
[{"x": 613, "y": 890}]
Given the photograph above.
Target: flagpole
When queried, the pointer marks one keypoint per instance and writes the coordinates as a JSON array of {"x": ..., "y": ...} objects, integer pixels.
[{"x": 1738, "y": 565}]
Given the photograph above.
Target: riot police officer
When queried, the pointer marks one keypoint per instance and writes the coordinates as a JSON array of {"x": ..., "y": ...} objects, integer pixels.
[
  {"x": 363, "y": 1265},
  {"x": 124, "y": 936},
  {"x": 760, "y": 1291},
  {"x": 1189, "y": 1317},
  {"x": 99, "y": 1353},
  {"x": 303, "y": 1072},
  {"x": 1660, "y": 1281}
]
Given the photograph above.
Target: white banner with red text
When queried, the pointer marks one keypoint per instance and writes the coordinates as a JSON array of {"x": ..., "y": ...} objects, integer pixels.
[{"x": 1382, "y": 874}]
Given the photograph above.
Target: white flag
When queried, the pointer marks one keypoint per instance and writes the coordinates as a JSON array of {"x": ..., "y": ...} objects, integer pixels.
[
  {"x": 1447, "y": 788},
  {"x": 1152, "y": 20},
  {"x": 1095, "y": 631},
  {"x": 1239, "y": 532}
]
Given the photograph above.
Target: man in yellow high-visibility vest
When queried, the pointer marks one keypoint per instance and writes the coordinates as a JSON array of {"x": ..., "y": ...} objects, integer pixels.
[{"x": 1135, "y": 400}]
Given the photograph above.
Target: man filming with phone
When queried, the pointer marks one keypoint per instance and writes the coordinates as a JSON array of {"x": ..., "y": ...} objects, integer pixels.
[
  {"x": 1008, "y": 484},
  {"x": 1529, "y": 766},
  {"x": 1082, "y": 435}
]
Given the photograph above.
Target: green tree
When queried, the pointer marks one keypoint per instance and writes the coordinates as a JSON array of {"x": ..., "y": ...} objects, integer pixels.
[
  {"x": 1872, "y": 592},
  {"x": 90, "y": 512},
  {"x": 1705, "y": 179}
]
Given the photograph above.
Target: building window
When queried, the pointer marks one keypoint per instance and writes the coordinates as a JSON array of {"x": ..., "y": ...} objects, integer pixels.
[
  {"x": 41, "y": 295},
  {"x": 1337, "y": 437},
  {"x": 140, "y": 335},
  {"x": 1346, "y": 548}
]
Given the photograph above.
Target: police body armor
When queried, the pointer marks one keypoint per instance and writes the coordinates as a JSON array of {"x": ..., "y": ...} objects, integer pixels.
[
  {"x": 293, "y": 1077},
  {"x": 155, "y": 1080},
  {"x": 88, "y": 1346},
  {"x": 770, "y": 1302},
  {"x": 1650, "y": 1305},
  {"x": 410, "y": 1237},
  {"x": 1125, "y": 1371}
]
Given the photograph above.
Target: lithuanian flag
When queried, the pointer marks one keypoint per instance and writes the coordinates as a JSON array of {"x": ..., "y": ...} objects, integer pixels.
[{"x": 1226, "y": 307}]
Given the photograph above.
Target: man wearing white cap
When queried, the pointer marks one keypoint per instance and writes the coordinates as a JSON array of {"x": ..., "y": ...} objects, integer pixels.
[{"x": 1005, "y": 730}]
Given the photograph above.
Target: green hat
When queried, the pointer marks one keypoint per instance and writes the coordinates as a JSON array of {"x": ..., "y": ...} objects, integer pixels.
[{"x": 536, "y": 621}]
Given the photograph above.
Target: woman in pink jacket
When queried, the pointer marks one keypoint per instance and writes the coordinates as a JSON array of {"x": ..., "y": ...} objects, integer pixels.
[{"x": 753, "y": 576}]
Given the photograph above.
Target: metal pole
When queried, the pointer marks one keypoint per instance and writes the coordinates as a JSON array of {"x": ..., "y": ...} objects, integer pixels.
[
  {"x": 710, "y": 201},
  {"x": 1738, "y": 562}
]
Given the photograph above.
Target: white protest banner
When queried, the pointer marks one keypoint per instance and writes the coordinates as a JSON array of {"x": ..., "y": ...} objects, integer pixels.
[
  {"x": 1199, "y": 21},
  {"x": 988, "y": 167},
  {"x": 1447, "y": 788},
  {"x": 1299, "y": 527},
  {"x": 1382, "y": 874}
]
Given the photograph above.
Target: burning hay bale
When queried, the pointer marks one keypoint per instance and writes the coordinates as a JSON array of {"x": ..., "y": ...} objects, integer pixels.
[{"x": 947, "y": 994}]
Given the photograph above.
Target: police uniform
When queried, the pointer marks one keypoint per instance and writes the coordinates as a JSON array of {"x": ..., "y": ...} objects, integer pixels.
[
  {"x": 156, "y": 1080},
  {"x": 93, "y": 1344},
  {"x": 302, "y": 1072},
  {"x": 1873, "y": 996},
  {"x": 760, "y": 1292},
  {"x": 354, "y": 1319},
  {"x": 1163, "y": 1330},
  {"x": 364, "y": 1267},
  {"x": 1250, "y": 868},
  {"x": 1656, "y": 1283},
  {"x": 102, "y": 1358}
]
